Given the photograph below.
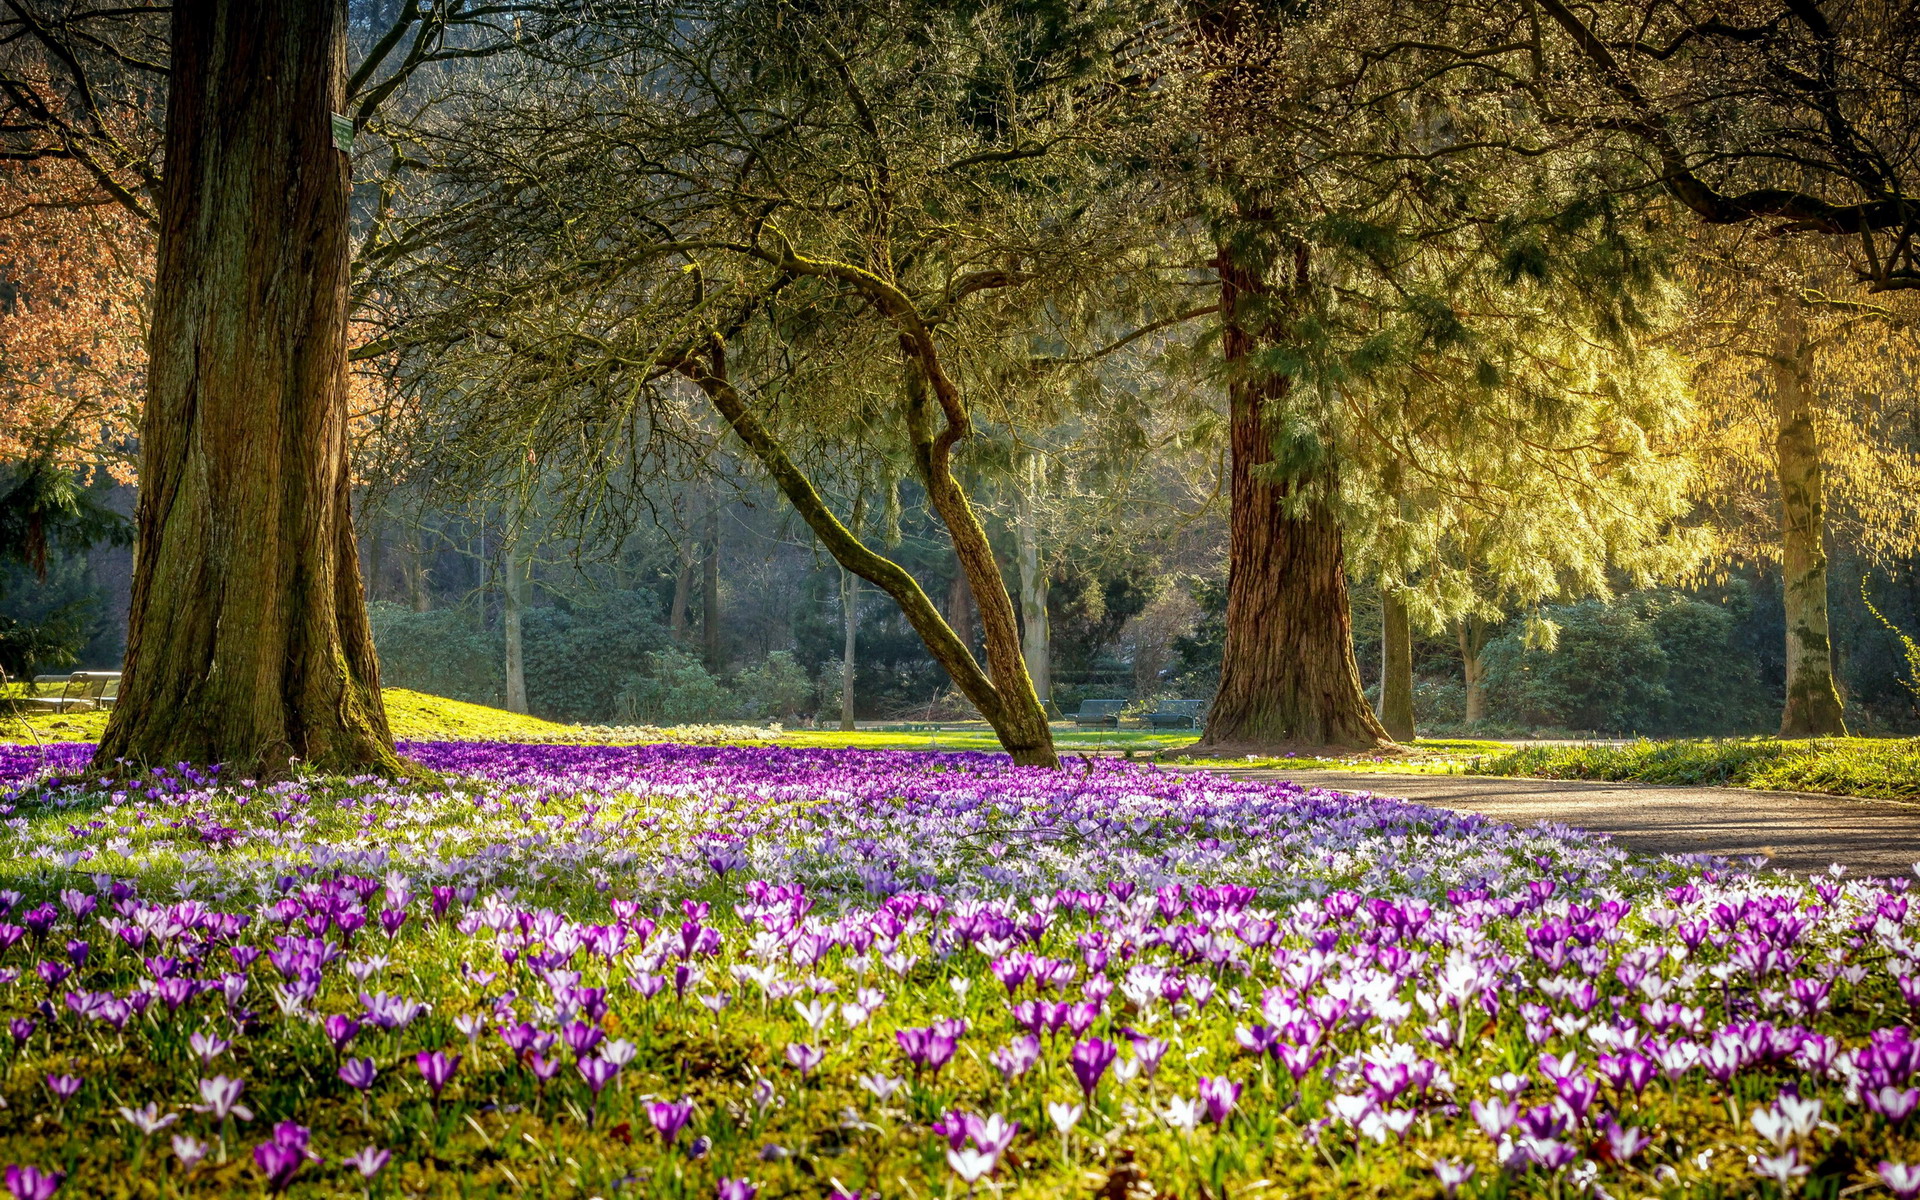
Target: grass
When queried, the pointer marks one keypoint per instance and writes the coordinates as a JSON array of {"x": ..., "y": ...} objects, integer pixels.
[
  {"x": 415, "y": 717},
  {"x": 1877, "y": 768},
  {"x": 1068, "y": 739}
]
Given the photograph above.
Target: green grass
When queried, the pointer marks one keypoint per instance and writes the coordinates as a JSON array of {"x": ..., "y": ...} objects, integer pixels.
[
  {"x": 415, "y": 717},
  {"x": 1429, "y": 756},
  {"x": 1878, "y": 768},
  {"x": 1068, "y": 739}
]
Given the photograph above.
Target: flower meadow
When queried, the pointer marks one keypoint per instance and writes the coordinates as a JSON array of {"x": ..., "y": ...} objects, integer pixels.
[{"x": 678, "y": 971}]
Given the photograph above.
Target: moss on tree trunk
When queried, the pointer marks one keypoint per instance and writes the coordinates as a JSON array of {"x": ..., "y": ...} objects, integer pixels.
[
  {"x": 248, "y": 641},
  {"x": 1813, "y": 707}
]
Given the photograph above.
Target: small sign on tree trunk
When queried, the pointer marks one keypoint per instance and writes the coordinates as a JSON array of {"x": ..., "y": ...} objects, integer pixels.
[{"x": 343, "y": 134}]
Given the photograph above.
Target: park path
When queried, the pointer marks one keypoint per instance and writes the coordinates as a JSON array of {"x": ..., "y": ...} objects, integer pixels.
[{"x": 1800, "y": 831}]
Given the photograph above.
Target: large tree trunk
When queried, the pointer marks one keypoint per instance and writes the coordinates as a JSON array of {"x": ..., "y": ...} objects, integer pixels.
[
  {"x": 1036, "y": 638},
  {"x": 1288, "y": 678},
  {"x": 1813, "y": 707},
  {"x": 515, "y": 584},
  {"x": 248, "y": 641},
  {"x": 1396, "y": 665},
  {"x": 850, "y": 621},
  {"x": 1472, "y": 636}
]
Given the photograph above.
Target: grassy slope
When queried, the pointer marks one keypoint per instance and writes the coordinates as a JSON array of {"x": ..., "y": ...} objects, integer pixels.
[{"x": 415, "y": 716}]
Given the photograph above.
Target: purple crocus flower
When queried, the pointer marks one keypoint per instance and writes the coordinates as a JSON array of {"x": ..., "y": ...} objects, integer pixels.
[
  {"x": 669, "y": 1117},
  {"x": 597, "y": 1071},
  {"x": 281, "y": 1156},
  {"x": 31, "y": 1183},
  {"x": 370, "y": 1161},
  {"x": 358, "y": 1073},
  {"x": 804, "y": 1057},
  {"x": 437, "y": 1068},
  {"x": 737, "y": 1189},
  {"x": 340, "y": 1030},
  {"x": 63, "y": 1086},
  {"x": 1090, "y": 1060},
  {"x": 1218, "y": 1095}
]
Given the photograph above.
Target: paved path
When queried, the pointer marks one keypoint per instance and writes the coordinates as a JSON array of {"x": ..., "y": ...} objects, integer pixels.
[{"x": 1802, "y": 832}]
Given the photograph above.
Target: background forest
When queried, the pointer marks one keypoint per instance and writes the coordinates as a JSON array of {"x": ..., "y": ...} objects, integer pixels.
[{"x": 1564, "y": 430}]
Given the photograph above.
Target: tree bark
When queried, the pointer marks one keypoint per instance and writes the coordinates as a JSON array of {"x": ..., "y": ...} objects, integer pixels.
[
  {"x": 1813, "y": 706},
  {"x": 850, "y": 621},
  {"x": 1005, "y": 699},
  {"x": 515, "y": 585},
  {"x": 682, "y": 592},
  {"x": 1472, "y": 636},
  {"x": 960, "y": 605},
  {"x": 1288, "y": 678},
  {"x": 712, "y": 647},
  {"x": 1396, "y": 665},
  {"x": 1036, "y": 642},
  {"x": 248, "y": 642}
]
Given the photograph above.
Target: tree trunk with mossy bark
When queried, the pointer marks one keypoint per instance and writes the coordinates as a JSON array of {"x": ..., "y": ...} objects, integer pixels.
[
  {"x": 515, "y": 585},
  {"x": 1396, "y": 665},
  {"x": 248, "y": 642},
  {"x": 1288, "y": 678},
  {"x": 1813, "y": 706}
]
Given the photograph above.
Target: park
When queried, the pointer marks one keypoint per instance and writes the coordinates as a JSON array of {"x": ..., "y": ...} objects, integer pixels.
[{"x": 935, "y": 599}]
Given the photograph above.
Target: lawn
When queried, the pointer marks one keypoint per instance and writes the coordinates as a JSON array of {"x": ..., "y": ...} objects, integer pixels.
[
  {"x": 1881, "y": 768},
  {"x": 673, "y": 971}
]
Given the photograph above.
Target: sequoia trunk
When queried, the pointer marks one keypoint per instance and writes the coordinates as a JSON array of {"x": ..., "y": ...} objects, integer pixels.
[
  {"x": 248, "y": 641},
  {"x": 1396, "y": 665},
  {"x": 1288, "y": 676},
  {"x": 1813, "y": 707}
]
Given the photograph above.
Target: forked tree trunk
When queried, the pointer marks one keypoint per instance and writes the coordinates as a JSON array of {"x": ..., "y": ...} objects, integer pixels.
[
  {"x": 1813, "y": 707},
  {"x": 514, "y": 587},
  {"x": 1002, "y": 692},
  {"x": 1396, "y": 665},
  {"x": 1472, "y": 636},
  {"x": 248, "y": 641},
  {"x": 850, "y": 620},
  {"x": 1036, "y": 638},
  {"x": 1288, "y": 676}
]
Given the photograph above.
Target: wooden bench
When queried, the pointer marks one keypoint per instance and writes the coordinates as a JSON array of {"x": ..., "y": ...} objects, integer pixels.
[
  {"x": 1177, "y": 714},
  {"x": 1099, "y": 712},
  {"x": 82, "y": 691}
]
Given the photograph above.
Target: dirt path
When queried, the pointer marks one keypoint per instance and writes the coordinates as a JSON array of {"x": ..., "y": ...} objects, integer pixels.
[{"x": 1802, "y": 832}]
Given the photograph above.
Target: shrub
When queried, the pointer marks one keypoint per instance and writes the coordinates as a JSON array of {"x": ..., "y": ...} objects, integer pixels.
[{"x": 776, "y": 689}]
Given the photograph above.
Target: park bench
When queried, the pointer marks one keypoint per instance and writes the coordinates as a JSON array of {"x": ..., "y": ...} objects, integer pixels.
[
  {"x": 1099, "y": 712},
  {"x": 82, "y": 691},
  {"x": 1177, "y": 714}
]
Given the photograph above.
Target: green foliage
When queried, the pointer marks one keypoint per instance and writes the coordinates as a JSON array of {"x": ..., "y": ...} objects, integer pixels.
[
  {"x": 1656, "y": 661},
  {"x": 776, "y": 689},
  {"x": 1879, "y": 768},
  {"x": 675, "y": 687},
  {"x": 444, "y": 652}
]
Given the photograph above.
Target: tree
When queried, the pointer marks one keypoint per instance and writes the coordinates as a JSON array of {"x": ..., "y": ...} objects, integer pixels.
[
  {"x": 249, "y": 643},
  {"x": 1805, "y": 432},
  {"x": 833, "y": 213}
]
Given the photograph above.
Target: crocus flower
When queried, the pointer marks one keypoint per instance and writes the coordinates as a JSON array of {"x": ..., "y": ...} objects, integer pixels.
[
  {"x": 1901, "y": 1179},
  {"x": 1090, "y": 1060},
  {"x": 31, "y": 1183},
  {"x": 1064, "y": 1116},
  {"x": 669, "y": 1117},
  {"x": 189, "y": 1150},
  {"x": 281, "y": 1156},
  {"x": 221, "y": 1097},
  {"x": 804, "y": 1058},
  {"x": 597, "y": 1071},
  {"x": 437, "y": 1068},
  {"x": 358, "y": 1073},
  {"x": 737, "y": 1189},
  {"x": 370, "y": 1161},
  {"x": 148, "y": 1119},
  {"x": 1451, "y": 1173},
  {"x": 1218, "y": 1095},
  {"x": 971, "y": 1165}
]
